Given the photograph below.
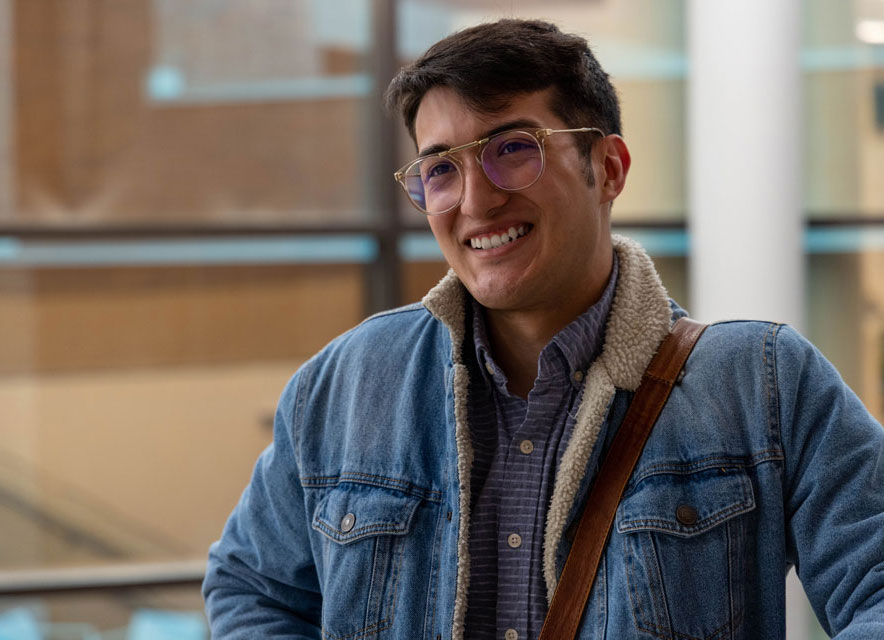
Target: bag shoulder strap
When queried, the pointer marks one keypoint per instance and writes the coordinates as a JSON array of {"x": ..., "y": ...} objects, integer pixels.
[{"x": 579, "y": 572}]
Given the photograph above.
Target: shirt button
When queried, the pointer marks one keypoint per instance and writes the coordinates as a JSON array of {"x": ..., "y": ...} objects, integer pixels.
[
  {"x": 489, "y": 367},
  {"x": 511, "y": 634},
  {"x": 578, "y": 376},
  {"x": 347, "y": 522},
  {"x": 514, "y": 540},
  {"x": 526, "y": 447}
]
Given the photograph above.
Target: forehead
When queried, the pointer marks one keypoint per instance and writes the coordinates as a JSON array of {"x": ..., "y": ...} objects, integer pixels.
[{"x": 444, "y": 117}]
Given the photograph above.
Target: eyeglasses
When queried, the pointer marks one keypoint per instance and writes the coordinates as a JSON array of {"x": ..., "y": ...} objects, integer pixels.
[{"x": 512, "y": 161}]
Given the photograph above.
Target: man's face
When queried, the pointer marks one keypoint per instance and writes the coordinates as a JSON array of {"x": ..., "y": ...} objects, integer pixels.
[{"x": 565, "y": 251}]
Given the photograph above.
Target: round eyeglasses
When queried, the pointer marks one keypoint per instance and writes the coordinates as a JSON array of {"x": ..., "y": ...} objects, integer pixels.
[{"x": 512, "y": 161}]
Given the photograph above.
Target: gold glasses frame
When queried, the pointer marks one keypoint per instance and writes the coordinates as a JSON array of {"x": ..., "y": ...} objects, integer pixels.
[{"x": 540, "y": 135}]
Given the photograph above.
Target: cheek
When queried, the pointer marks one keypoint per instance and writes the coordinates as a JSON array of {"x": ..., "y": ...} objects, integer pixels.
[{"x": 442, "y": 229}]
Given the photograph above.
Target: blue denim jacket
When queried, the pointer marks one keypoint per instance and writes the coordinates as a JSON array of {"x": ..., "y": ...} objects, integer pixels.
[{"x": 356, "y": 519}]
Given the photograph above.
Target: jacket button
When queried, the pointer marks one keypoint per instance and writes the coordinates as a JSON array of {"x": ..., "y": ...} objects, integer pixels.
[
  {"x": 347, "y": 522},
  {"x": 686, "y": 515},
  {"x": 511, "y": 634}
]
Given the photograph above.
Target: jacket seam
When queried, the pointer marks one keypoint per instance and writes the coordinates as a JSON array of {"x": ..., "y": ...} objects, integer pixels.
[
  {"x": 297, "y": 408},
  {"x": 772, "y": 379},
  {"x": 710, "y": 462},
  {"x": 319, "y": 482}
]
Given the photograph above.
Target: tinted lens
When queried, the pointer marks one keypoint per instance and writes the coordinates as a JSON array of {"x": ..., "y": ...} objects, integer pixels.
[
  {"x": 513, "y": 160},
  {"x": 434, "y": 184}
]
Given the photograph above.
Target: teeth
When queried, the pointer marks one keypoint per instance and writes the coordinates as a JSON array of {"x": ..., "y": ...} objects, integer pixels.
[{"x": 493, "y": 241}]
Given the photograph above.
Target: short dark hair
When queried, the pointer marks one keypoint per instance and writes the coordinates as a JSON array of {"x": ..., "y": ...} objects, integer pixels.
[{"x": 491, "y": 63}]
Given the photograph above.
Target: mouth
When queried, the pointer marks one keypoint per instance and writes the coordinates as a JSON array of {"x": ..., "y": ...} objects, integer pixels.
[{"x": 500, "y": 238}]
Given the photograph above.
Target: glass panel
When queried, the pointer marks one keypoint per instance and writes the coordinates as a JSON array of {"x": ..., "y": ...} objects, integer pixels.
[
  {"x": 846, "y": 315},
  {"x": 843, "y": 64},
  {"x": 639, "y": 42},
  {"x": 206, "y": 112},
  {"x": 134, "y": 400},
  {"x": 160, "y": 613}
]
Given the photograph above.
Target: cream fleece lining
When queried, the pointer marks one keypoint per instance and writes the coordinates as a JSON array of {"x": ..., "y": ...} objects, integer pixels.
[{"x": 639, "y": 320}]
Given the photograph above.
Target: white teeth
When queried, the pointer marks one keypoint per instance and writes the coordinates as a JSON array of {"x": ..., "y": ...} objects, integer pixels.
[{"x": 493, "y": 241}]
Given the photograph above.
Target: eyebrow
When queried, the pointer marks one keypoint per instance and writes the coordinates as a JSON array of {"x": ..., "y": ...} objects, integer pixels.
[{"x": 520, "y": 123}]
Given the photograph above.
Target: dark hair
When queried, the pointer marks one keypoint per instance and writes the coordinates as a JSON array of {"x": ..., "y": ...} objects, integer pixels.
[{"x": 489, "y": 64}]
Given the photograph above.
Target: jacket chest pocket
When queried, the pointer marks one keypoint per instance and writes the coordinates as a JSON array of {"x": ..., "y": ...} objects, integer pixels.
[
  {"x": 683, "y": 541},
  {"x": 363, "y": 528}
]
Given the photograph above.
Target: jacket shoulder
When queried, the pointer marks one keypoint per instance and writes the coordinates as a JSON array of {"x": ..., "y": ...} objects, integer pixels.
[{"x": 386, "y": 337}]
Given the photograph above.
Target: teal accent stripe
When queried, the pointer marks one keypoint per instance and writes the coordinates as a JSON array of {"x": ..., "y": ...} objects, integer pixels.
[
  {"x": 350, "y": 248},
  {"x": 168, "y": 85},
  {"x": 356, "y": 248},
  {"x": 660, "y": 242},
  {"x": 844, "y": 240},
  {"x": 419, "y": 247}
]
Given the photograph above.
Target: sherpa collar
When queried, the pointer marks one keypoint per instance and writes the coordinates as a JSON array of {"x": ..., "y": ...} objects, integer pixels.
[{"x": 639, "y": 320}]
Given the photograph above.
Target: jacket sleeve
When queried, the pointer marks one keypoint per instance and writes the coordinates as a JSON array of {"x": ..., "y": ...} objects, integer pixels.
[
  {"x": 834, "y": 491},
  {"x": 261, "y": 581}
]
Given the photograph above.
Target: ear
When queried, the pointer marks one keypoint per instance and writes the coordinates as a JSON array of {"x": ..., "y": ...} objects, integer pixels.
[{"x": 616, "y": 163}]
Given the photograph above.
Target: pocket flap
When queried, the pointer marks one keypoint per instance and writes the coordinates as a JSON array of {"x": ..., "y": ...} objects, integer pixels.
[
  {"x": 686, "y": 504},
  {"x": 352, "y": 511}
]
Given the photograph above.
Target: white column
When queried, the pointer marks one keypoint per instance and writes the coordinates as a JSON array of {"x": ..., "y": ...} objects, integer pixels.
[
  {"x": 6, "y": 88},
  {"x": 744, "y": 124},
  {"x": 744, "y": 175}
]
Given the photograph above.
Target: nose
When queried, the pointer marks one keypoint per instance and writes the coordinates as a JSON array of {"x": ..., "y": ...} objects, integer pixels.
[{"x": 481, "y": 198}]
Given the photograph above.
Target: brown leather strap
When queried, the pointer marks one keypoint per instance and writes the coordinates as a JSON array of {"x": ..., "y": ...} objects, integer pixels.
[{"x": 577, "y": 577}]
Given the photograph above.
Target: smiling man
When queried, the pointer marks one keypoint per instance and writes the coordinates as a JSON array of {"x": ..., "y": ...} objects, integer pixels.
[{"x": 429, "y": 467}]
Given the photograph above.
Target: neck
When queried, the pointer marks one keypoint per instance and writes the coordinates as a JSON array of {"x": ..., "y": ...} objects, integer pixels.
[
  {"x": 517, "y": 337},
  {"x": 516, "y": 341}
]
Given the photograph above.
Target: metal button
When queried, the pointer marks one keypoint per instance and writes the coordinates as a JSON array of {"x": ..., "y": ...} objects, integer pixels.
[
  {"x": 347, "y": 522},
  {"x": 526, "y": 447},
  {"x": 686, "y": 514},
  {"x": 514, "y": 540},
  {"x": 511, "y": 634},
  {"x": 578, "y": 376},
  {"x": 489, "y": 367}
]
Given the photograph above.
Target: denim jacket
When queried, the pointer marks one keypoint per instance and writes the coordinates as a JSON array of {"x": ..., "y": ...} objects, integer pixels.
[{"x": 355, "y": 523}]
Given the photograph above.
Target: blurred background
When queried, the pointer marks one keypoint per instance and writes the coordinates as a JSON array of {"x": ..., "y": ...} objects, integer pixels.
[{"x": 196, "y": 195}]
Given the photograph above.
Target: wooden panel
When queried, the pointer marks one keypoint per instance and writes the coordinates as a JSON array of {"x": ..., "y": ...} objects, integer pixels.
[{"x": 75, "y": 319}]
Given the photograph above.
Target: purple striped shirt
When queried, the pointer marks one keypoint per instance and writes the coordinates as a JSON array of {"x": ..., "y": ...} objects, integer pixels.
[{"x": 518, "y": 444}]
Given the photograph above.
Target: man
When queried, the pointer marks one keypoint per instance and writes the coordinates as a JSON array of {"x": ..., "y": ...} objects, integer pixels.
[{"x": 428, "y": 467}]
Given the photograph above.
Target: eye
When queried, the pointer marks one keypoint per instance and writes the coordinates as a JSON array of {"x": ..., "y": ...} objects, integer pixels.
[
  {"x": 436, "y": 169},
  {"x": 514, "y": 146}
]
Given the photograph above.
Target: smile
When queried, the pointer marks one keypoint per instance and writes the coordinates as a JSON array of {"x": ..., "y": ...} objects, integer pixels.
[{"x": 494, "y": 240}]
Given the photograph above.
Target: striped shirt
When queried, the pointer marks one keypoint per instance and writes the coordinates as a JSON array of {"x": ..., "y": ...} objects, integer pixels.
[{"x": 517, "y": 446}]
